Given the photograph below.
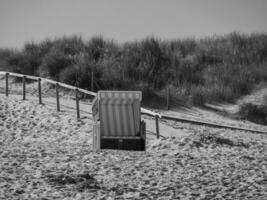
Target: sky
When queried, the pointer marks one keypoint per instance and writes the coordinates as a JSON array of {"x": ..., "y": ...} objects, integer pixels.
[{"x": 24, "y": 21}]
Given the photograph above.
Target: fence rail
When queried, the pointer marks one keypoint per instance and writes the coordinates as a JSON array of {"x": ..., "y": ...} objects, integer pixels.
[{"x": 211, "y": 124}]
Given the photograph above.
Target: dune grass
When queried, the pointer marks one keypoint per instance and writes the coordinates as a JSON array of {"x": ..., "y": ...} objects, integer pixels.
[{"x": 211, "y": 69}]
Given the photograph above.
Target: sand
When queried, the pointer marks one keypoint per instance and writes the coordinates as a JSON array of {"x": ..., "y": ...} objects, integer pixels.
[{"x": 48, "y": 155}]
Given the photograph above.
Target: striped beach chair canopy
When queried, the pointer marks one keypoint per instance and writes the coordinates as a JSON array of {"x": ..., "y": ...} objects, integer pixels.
[{"x": 119, "y": 113}]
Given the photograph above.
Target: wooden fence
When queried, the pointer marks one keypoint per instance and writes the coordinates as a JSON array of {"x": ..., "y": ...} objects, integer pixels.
[
  {"x": 57, "y": 87},
  {"x": 143, "y": 110}
]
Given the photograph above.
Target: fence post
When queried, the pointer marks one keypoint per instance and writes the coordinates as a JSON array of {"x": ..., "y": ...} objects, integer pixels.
[
  {"x": 40, "y": 90},
  {"x": 24, "y": 87},
  {"x": 57, "y": 97},
  {"x": 168, "y": 98},
  {"x": 157, "y": 125},
  {"x": 92, "y": 81},
  {"x": 77, "y": 103},
  {"x": 7, "y": 84}
]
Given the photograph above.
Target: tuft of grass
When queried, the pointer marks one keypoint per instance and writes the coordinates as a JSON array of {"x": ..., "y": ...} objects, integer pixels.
[{"x": 254, "y": 113}]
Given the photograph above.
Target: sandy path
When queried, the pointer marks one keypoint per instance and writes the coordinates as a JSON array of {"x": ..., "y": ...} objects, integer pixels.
[{"x": 68, "y": 105}]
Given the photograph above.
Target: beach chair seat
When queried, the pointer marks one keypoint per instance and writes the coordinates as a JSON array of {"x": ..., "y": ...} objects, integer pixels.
[{"x": 118, "y": 124}]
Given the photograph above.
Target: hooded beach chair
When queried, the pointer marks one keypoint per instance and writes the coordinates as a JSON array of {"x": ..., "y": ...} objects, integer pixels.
[{"x": 118, "y": 125}]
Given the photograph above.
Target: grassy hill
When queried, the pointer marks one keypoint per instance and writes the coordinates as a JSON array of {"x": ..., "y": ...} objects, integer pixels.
[{"x": 211, "y": 69}]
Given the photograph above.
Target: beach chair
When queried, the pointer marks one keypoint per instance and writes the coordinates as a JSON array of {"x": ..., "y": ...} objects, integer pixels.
[{"x": 118, "y": 125}]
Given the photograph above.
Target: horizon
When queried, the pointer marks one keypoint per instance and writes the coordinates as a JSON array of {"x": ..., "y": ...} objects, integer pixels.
[
  {"x": 121, "y": 21},
  {"x": 199, "y": 38}
]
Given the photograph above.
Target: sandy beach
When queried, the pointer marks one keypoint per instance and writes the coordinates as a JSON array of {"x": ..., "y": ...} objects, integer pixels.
[{"x": 48, "y": 155}]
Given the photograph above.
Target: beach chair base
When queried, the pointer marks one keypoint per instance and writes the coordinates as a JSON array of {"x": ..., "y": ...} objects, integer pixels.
[
  {"x": 135, "y": 143},
  {"x": 123, "y": 144}
]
